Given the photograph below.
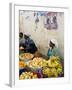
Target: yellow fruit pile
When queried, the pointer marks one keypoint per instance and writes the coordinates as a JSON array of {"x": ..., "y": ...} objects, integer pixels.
[
  {"x": 44, "y": 63},
  {"x": 50, "y": 72},
  {"x": 54, "y": 67},
  {"x": 36, "y": 62},
  {"x": 27, "y": 75},
  {"x": 53, "y": 61}
]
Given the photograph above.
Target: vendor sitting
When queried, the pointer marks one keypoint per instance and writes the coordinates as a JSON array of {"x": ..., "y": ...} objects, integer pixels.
[
  {"x": 53, "y": 49},
  {"x": 27, "y": 44}
]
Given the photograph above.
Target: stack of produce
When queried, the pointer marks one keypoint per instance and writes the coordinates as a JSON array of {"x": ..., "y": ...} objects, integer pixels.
[
  {"x": 26, "y": 56},
  {"x": 36, "y": 63},
  {"x": 28, "y": 75},
  {"x": 54, "y": 67}
]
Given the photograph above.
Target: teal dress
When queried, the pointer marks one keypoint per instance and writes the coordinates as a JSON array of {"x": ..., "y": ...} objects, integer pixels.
[
  {"x": 49, "y": 53},
  {"x": 55, "y": 52}
]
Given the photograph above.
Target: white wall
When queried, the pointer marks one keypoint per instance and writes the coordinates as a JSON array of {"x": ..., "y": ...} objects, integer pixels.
[{"x": 41, "y": 35}]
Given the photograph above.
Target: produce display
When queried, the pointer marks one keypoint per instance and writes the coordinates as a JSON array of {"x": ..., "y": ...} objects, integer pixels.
[
  {"x": 50, "y": 72},
  {"x": 27, "y": 56},
  {"x": 28, "y": 75},
  {"x": 38, "y": 66},
  {"x": 54, "y": 67},
  {"x": 53, "y": 61},
  {"x": 36, "y": 62}
]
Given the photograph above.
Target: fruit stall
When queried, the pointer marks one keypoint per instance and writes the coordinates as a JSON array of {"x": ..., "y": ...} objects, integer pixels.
[{"x": 33, "y": 67}]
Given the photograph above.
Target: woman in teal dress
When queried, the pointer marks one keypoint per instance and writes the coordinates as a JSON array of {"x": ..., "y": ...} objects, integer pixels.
[{"x": 54, "y": 50}]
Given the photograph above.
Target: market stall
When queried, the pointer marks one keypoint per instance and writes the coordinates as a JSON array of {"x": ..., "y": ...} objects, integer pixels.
[
  {"x": 41, "y": 44},
  {"x": 38, "y": 67}
]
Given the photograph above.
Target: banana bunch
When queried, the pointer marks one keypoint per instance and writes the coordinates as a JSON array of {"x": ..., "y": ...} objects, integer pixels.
[
  {"x": 53, "y": 61},
  {"x": 59, "y": 69},
  {"x": 50, "y": 72},
  {"x": 47, "y": 71},
  {"x": 44, "y": 63},
  {"x": 53, "y": 67},
  {"x": 54, "y": 72}
]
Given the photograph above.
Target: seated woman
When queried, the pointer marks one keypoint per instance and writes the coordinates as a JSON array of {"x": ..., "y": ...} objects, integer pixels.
[{"x": 54, "y": 50}]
